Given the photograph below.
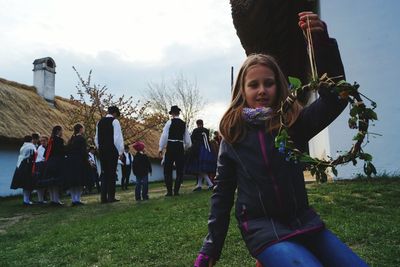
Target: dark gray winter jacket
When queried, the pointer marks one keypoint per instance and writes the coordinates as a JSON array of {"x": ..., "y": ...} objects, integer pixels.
[{"x": 271, "y": 202}]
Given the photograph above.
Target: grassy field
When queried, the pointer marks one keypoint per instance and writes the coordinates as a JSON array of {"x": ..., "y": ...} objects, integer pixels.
[{"x": 169, "y": 231}]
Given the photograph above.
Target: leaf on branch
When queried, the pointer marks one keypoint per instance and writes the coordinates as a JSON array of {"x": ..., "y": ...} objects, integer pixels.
[
  {"x": 370, "y": 114},
  {"x": 295, "y": 82},
  {"x": 359, "y": 136},
  {"x": 365, "y": 156},
  {"x": 355, "y": 110}
]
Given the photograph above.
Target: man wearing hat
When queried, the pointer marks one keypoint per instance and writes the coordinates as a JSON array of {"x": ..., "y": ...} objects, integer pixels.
[
  {"x": 175, "y": 137},
  {"x": 110, "y": 143}
]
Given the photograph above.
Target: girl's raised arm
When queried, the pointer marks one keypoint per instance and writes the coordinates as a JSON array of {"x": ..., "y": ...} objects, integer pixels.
[{"x": 318, "y": 115}]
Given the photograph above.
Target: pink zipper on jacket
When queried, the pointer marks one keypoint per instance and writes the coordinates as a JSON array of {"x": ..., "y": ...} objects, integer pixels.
[{"x": 261, "y": 137}]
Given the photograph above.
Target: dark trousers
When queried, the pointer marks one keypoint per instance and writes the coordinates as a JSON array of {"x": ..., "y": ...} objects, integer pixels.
[
  {"x": 94, "y": 180},
  {"x": 109, "y": 161},
  {"x": 126, "y": 173},
  {"x": 174, "y": 154},
  {"x": 142, "y": 187}
]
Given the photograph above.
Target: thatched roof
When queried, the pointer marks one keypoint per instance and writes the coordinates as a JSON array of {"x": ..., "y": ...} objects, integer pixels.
[{"x": 24, "y": 112}]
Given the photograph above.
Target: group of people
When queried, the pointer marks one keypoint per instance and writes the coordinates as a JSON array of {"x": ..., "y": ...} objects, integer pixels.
[
  {"x": 48, "y": 165},
  {"x": 53, "y": 166},
  {"x": 193, "y": 154}
]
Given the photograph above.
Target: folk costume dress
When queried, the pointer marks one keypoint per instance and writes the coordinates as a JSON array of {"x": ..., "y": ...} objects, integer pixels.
[
  {"x": 23, "y": 177},
  {"x": 39, "y": 166},
  {"x": 55, "y": 163},
  {"x": 201, "y": 158},
  {"x": 77, "y": 164}
]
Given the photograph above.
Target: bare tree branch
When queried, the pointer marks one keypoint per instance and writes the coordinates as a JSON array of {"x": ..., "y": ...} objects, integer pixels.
[
  {"x": 181, "y": 92},
  {"x": 92, "y": 101}
]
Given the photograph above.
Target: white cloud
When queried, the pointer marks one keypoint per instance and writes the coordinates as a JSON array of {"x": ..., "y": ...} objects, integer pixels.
[
  {"x": 213, "y": 114},
  {"x": 135, "y": 30}
]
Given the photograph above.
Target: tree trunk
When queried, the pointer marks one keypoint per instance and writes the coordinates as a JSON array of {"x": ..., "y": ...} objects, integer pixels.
[{"x": 271, "y": 27}]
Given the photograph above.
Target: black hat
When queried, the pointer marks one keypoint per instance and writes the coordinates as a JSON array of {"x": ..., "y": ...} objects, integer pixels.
[
  {"x": 114, "y": 109},
  {"x": 174, "y": 110}
]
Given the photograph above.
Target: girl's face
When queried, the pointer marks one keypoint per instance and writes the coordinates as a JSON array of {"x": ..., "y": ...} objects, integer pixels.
[
  {"x": 260, "y": 87},
  {"x": 60, "y": 133},
  {"x": 82, "y": 130}
]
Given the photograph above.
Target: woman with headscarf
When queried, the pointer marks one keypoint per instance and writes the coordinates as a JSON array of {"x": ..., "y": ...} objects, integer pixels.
[{"x": 23, "y": 173}]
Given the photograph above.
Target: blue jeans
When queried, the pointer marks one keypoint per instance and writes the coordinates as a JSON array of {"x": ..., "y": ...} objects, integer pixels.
[
  {"x": 317, "y": 249},
  {"x": 142, "y": 188}
]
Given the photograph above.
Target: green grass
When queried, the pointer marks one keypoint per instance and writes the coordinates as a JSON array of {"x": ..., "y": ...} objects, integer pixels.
[{"x": 169, "y": 231}]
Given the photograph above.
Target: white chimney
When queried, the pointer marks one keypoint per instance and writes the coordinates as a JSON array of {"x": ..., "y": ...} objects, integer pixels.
[{"x": 44, "y": 72}]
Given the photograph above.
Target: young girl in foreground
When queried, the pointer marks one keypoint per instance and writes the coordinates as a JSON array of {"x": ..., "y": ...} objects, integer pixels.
[{"x": 276, "y": 222}]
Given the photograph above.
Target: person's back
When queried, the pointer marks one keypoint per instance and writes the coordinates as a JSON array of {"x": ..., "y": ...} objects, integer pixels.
[
  {"x": 141, "y": 168},
  {"x": 110, "y": 144},
  {"x": 141, "y": 164},
  {"x": 106, "y": 133},
  {"x": 177, "y": 129}
]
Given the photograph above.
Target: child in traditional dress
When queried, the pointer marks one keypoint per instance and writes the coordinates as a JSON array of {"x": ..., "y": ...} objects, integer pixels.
[
  {"x": 275, "y": 219},
  {"x": 141, "y": 169},
  {"x": 23, "y": 173},
  {"x": 38, "y": 169}
]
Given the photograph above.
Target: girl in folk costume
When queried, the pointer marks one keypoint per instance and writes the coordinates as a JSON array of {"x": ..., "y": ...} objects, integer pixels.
[
  {"x": 23, "y": 173},
  {"x": 201, "y": 159},
  {"x": 77, "y": 165},
  {"x": 39, "y": 166},
  {"x": 55, "y": 162},
  {"x": 274, "y": 217}
]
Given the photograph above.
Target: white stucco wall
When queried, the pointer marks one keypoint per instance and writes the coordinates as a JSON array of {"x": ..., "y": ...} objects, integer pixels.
[
  {"x": 157, "y": 175},
  {"x": 8, "y": 161}
]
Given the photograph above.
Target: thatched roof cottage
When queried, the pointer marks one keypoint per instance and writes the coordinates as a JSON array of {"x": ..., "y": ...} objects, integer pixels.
[{"x": 29, "y": 109}]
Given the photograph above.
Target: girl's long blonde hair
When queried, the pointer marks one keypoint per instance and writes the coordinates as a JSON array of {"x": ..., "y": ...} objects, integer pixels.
[{"x": 232, "y": 126}]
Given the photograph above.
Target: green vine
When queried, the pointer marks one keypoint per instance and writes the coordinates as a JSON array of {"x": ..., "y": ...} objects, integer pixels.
[{"x": 360, "y": 118}]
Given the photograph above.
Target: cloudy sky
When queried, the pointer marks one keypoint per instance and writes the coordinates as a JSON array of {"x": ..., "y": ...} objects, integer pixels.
[
  {"x": 126, "y": 43},
  {"x": 131, "y": 43}
]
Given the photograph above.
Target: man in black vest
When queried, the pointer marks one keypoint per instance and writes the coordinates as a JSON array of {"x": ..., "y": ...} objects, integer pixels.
[
  {"x": 126, "y": 159},
  {"x": 110, "y": 143},
  {"x": 176, "y": 139}
]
